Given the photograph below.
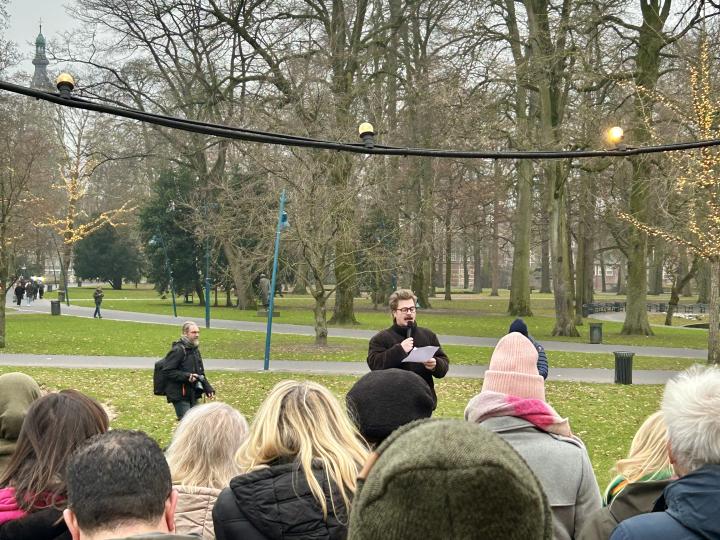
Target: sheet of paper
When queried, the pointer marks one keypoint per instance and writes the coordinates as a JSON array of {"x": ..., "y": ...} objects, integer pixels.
[{"x": 421, "y": 354}]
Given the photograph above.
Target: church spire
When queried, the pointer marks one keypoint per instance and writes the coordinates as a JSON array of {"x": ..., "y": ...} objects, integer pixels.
[{"x": 40, "y": 77}]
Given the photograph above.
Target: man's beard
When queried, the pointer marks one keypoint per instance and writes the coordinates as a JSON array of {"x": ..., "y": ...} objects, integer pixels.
[{"x": 195, "y": 342}]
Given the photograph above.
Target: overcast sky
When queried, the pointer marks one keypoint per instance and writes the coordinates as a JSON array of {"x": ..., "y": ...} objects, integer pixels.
[{"x": 25, "y": 16}]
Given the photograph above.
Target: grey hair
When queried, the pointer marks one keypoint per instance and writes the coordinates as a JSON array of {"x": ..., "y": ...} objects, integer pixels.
[
  {"x": 691, "y": 407},
  {"x": 186, "y": 326}
]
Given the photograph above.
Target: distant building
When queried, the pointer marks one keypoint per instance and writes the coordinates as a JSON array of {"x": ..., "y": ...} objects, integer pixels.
[{"x": 40, "y": 78}]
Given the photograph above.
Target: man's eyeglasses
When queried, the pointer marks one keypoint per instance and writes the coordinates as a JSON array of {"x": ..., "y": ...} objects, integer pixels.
[{"x": 406, "y": 309}]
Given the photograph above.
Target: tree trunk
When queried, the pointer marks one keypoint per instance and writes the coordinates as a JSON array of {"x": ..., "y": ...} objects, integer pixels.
[
  {"x": 3, "y": 300},
  {"x": 466, "y": 266},
  {"x": 656, "y": 268},
  {"x": 585, "y": 267},
  {"x": 519, "y": 304},
  {"x": 681, "y": 280},
  {"x": 545, "y": 247},
  {"x": 345, "y": 274},
  {"x": 687, "y": 289},
  {"x": 495, "y": 253},
  {"x": 636, "y": 321},
  {"x": 703, "y": 283},
  {"x": 228, "y": 297},
  {"x": 602, "y": 273},
  {"x": 714, "y": 322},
  {"x": 448, "y": 258},
  {"x": 320, "y": 315},
  {"x": 620, "y": 287},
  {"x": 560, "y": 253},
  {"x": 477, "y": 262}
]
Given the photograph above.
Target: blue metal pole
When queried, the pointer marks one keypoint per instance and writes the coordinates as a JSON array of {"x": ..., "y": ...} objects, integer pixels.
[{"x": 268, "y": 332}]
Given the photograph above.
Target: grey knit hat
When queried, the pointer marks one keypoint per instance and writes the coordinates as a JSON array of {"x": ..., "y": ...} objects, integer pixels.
[
  {"x": 449, "y": 479},
  {"x": 381, "y": 401}
]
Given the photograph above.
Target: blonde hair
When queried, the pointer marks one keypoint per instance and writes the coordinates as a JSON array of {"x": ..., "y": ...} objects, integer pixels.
[
  {"x": 303, "y": 421},
  {"x": 648, "y": 451},
  {"x": 202, "y": 451}
]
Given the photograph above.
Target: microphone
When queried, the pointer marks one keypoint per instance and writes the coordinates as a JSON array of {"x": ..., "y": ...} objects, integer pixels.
[{"x": 408, "y": 333}]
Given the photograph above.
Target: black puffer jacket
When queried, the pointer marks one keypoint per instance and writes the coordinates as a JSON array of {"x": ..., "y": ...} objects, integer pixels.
[
  {"x": 276, "y": 503},
  {"x": 46, "y": 524},
  {"x": 181, "y": 362}
]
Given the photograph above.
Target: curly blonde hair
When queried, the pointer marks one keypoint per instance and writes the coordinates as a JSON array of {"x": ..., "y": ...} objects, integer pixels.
[{"x": 304, "y": 421}]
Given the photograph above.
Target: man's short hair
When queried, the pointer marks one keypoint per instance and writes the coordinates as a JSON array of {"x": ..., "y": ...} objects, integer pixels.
[
  {"x": 401, "y": 294},
  {"x": 691, "y": 407},
  {"x": 117, "y": 478},
  {"x": 186, "y": 326}
]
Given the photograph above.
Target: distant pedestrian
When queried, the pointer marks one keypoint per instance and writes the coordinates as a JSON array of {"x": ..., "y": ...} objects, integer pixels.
[
  {"x": 98, "y": 296},
  {"x": 518, "y": 325},
  {"x": 41, "y": 289},
  {"x": 29, "y": 292},
  {"x": 264, "y": 286},
  {"x": 19, "y": 292}
]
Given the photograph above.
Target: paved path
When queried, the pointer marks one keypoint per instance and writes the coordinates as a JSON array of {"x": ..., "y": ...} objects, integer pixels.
[
  {"x": 43, "y": 306},
  {"x": 317, "y": 368}
]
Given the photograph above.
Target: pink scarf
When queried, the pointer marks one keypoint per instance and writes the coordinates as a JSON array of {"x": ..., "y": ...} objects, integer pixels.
[
  {"x": 9, "y": 509},
  {"x": 541, "y": 415}
]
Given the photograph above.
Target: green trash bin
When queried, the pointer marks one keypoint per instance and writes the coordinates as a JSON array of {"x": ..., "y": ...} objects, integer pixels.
[
  {"x": 54, "y": 307},
  {"x": 623, "y": 367},
  {"x": 595, "y": 333}
]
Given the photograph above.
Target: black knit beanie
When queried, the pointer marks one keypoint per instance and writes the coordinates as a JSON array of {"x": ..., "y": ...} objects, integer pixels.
[
  {"x": 447, "y": 480},
  {"x": 383, "y": 400},
  {"x": 518, "y": 325}
]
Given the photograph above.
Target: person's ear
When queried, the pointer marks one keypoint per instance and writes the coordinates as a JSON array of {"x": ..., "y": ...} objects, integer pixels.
[
  {"x": 72, "y": 524},
  {"x": 170, "y": 504}
]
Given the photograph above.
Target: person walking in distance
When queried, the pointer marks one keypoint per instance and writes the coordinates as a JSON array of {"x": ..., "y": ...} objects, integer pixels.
[
  {"x": 98, "y": 297},
  {"x": 185, "y": 373},
  {"x": 390, "y": 347}
]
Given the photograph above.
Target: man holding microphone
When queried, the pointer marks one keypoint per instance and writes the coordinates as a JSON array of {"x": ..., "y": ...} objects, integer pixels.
[{"x": 390, "y": 347}]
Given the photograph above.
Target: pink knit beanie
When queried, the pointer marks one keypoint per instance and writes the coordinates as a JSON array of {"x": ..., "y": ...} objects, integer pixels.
[{"x": 513, "y": 369}]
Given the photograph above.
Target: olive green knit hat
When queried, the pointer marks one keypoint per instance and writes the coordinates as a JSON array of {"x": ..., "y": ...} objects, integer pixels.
[{"x": 449, "y": 479}]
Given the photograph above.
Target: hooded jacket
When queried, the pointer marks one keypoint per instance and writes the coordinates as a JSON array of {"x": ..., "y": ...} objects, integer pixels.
[
  {"x": 689, "y": 509},
  {"x": 193, "y": 513},
  {"x": 276, "y": 503},
  {"x": 181, "y": 362},
  {"x": 17, "y": 392}
]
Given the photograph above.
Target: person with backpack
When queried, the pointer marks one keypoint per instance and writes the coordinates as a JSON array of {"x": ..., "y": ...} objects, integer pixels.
[{"x": 183, "y": 372}]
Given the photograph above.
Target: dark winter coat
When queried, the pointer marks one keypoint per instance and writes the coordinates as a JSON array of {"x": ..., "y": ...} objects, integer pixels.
[
  {"x": 689, "y": 509},
  {"x": 385, "y": 352},
  {"x": 46, "y": 524},
  {"x": 276, "y": 503},
  {"x": 636, "y": 498},
  {"x": 181, "y": 362}
]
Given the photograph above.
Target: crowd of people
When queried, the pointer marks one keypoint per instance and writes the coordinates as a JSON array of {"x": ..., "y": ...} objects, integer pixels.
[
  {"x": 377, "y": 467},
  {"x": 28, "y": 289}
]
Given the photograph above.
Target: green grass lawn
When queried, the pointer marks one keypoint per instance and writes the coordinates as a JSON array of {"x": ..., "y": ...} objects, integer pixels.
[
  {"x": 468, "y": 315},
  {"x": 604, "y": 416},
  {"x": 45, "y": 334}
]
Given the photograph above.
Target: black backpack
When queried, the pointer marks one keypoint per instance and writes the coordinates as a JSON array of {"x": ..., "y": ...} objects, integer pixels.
[{"x": 159, "y": 379}]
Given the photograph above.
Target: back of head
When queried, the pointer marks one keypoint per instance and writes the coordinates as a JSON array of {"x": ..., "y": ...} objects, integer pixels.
[
  {"x": 55, "y": 425},
  {"x": 513, "y": 369},
  {"x": 17, "y": 392},
  {"x": 518, "y": 325},
  {"x": 691, "y": 408},
  {"x": 117, "y": 479},
  {"x": 203, "y": 448},
  {"x": 381, "y": 401},
  {"x": 303, "y": 421},
  {"x": 438, "y": 479},
  {"x": 648, "y": 451}
]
